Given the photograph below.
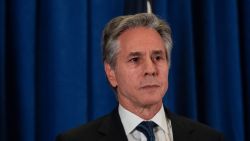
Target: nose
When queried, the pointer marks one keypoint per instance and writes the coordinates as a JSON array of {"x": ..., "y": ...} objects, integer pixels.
[{"x": 150, "y": 68}]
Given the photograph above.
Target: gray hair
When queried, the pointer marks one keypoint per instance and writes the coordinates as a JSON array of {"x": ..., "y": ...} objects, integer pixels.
[{"x": 119, "y": 24}]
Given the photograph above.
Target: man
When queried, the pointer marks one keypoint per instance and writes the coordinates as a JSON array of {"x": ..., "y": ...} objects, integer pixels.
[{"x": 136, "y": 55}]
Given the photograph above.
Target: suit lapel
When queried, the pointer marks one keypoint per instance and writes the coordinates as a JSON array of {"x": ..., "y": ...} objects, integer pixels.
[
  {"x": 180, "y": 131},
  {"x": 112, "y": 128}
]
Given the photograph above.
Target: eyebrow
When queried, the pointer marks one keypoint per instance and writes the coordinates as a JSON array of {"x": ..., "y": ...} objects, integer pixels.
[
  {"x": 158, "y": 52},
  {"x": 131, "y": 54},
  {"x": 154, "y": 52}
]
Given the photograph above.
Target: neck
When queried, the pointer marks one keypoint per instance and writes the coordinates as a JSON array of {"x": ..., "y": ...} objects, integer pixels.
[{"x": 145, "y": 112}]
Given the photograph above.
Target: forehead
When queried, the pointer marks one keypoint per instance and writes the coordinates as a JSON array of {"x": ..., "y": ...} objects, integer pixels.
[{"x": 140, "y": 39}]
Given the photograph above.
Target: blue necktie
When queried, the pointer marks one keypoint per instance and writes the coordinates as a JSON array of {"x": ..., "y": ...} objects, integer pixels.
[{"x": 146, "y": 127}]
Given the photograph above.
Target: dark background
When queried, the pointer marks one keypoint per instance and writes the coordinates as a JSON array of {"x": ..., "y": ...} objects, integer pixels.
[{"x": 51, "y": 71}]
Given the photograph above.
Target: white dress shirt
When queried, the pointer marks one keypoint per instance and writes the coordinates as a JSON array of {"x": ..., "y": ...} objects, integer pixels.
[{"x": 163, "y": 132}]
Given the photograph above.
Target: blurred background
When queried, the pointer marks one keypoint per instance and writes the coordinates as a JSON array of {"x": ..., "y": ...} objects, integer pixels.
[{"x": 52, "y": 77}]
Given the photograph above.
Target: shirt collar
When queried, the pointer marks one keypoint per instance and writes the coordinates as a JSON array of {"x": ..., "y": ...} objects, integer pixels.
[
  {"x": 161, "y": 120},
  {"x": 130, "y": 120}
]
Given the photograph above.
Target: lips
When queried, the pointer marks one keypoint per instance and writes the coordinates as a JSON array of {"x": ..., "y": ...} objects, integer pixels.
[
  {"x": 150, "y": 83},
  {"x": 150, "y": 86}
]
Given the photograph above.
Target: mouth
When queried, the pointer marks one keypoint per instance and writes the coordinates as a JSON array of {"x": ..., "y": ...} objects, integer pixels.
[{"x": 150, "y": 86}]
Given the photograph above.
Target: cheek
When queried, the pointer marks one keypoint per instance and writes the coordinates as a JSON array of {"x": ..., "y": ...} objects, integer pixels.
[
  {"x": 163, "y": 70},
  {"x": 123, "y": 76},
  {"x": 163, "y": 74},
  {"x": 129, "y": 78}
]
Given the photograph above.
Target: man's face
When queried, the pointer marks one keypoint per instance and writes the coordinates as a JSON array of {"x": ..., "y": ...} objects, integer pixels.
[{"x": 141, "y": 71}]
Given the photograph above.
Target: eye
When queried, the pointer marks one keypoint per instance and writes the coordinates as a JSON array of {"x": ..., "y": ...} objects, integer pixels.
[
  {"x": 134, "y": 60},
  {"x": 158, "y": 57}
]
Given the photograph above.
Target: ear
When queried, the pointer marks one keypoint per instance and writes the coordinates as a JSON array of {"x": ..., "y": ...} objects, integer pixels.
[{"x": 110, "y": 74}]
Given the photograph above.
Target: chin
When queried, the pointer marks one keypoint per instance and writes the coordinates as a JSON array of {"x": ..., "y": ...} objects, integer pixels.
[{"x": 151, "y": 101}]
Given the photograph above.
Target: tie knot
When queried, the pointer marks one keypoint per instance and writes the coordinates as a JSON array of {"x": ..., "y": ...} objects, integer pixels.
[
  {"x": 146, "y": 127},
  {"x": 148, "y": 124}
]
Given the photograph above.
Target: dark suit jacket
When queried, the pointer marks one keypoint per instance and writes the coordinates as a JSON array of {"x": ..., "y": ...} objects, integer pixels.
[{"x": 110, "y": 128}]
